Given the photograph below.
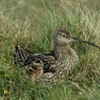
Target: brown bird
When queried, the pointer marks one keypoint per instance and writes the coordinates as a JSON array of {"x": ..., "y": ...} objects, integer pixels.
[
  {"x": 34, "y": 69},
  {"x": 53, "y": 65}
]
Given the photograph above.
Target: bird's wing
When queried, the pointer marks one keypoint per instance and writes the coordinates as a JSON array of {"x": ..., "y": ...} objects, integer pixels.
[
  {"x": 48, "y": 59},
  {"x": 24, "y": 57}
]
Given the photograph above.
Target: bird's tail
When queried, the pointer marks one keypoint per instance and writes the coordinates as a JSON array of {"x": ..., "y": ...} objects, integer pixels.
[{"x": 22, "y": 56}]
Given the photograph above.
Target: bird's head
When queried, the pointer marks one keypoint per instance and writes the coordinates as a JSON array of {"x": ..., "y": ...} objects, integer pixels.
[{"x": 63, "y": 37}]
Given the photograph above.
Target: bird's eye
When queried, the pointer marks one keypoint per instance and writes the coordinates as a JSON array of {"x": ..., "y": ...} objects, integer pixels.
[{"x": 64, "y": 35}]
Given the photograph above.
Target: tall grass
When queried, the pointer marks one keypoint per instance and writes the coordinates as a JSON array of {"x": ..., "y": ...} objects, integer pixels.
[{"x": 32, "y": 24}]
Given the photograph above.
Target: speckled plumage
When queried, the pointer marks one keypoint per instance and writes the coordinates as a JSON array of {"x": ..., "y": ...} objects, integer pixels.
[
  {"x": 56, "y": 64},
  {"x": 67, "y": 59}
]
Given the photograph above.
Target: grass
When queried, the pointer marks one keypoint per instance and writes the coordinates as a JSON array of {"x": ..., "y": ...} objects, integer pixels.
[{"x": 32, "y": 24}]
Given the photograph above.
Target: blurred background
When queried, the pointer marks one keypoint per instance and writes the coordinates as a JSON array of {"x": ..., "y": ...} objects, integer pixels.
[{"x": 31, "y": 23}]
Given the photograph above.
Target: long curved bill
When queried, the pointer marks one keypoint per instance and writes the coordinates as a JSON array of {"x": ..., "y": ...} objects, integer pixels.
[{"x": 77, "y": 39}]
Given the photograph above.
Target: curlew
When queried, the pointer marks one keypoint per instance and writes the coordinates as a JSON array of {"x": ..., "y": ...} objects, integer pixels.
[{"x": 53, "y": 65}]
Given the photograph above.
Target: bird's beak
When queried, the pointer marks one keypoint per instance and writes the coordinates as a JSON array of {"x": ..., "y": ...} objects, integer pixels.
[{"x": 77, "y": 39}]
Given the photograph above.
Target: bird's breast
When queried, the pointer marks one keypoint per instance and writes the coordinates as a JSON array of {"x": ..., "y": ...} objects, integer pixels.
[{"x": 66, "y": 62}]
